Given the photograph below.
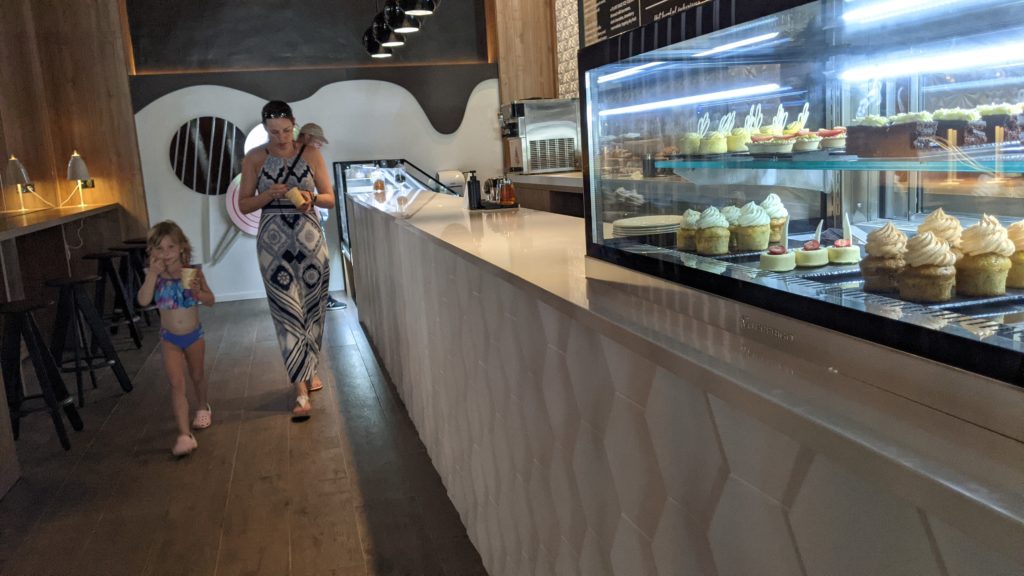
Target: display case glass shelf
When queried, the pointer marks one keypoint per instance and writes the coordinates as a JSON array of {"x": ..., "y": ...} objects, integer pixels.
[{"x": 857, "y": 164}]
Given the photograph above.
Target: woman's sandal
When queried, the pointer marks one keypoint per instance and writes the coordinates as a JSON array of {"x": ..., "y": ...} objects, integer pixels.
[
  {"x": 315, "y": 384},
  {"x": 300, "y": 413},
  {"x": 185, "y": 445},
  {"x": 203, "y": 418}
]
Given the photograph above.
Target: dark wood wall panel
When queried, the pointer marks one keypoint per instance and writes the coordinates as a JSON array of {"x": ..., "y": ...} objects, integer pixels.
[
  {"x": 83, "y": 64},
  {"x": 64, "y": 86},
  {"x": 24, "y": 115}
]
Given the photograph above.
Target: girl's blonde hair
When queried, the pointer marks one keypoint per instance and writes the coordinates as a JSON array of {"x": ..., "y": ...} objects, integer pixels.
[{"x": 169, "y": 228}]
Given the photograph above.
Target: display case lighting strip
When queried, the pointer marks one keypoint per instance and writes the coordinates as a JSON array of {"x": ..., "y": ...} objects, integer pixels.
[
  {"x": 737, "y": 44},
  {"x": 698, "y": 99},
  {"x": 627, "y": 72},
  {"x": 895, "y": 8},
  {"x": 1012, "y": 53}
]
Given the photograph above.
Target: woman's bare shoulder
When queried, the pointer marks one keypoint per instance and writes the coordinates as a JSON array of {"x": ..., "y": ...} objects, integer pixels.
[{"x": 256, "y": 155}]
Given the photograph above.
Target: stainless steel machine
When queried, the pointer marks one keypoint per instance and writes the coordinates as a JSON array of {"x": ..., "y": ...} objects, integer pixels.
[{"x": 541, "y": 135}]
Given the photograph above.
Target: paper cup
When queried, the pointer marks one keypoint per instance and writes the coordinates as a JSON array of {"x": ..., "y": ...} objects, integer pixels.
[
  {"x": 187, "y": 275},
  {"x": 296, "y": 196}
]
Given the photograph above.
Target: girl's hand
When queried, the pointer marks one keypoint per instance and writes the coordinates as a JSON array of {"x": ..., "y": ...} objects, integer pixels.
[
  {"x": 197, "y": 281},
  {"x": 156, "y": 265}
]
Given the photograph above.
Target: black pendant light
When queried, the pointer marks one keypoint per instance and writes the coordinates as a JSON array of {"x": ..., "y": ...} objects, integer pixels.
[
  {"x": 383, "y": 33},
  {"x": 419, "y": 7},
  {"x": 398, "y": 20},
  {"x": 373, "y": 47}
]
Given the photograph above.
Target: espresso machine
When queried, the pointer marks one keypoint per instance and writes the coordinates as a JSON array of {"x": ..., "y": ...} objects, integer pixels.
[{"x": 541, "y": 136}]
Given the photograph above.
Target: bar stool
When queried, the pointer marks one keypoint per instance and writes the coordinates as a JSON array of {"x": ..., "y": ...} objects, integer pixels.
[
  {"x": 74, "y": 305},
  {"x": 133, "y": 271},
  {"x": 20, "y": 325},
  {"x": 108, "y": 273}
]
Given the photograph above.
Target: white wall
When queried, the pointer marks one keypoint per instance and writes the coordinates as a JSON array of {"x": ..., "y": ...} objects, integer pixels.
[{"x": 363, "y": 119}]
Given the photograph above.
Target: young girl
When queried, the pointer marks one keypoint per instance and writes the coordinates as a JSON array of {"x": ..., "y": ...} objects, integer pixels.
[{"x": 181, "y": 334}]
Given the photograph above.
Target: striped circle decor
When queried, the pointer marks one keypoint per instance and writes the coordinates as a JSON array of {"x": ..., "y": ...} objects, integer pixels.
[{"x": 206, "y": 153}]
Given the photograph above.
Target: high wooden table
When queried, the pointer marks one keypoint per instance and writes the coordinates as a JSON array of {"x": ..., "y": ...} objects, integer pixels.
[{"x": 35, "y": 246}]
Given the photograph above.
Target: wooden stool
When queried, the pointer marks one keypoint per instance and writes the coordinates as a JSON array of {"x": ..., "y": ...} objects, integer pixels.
[
  {"x": 123, "y": 304},
  {"x": 20, "y": 325},
  {"x": 133, "y": 272},
  {"x": 73, "y": 306}
]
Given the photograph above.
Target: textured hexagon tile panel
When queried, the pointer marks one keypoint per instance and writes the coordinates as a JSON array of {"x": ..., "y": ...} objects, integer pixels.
[
  {"x": 844, "y": 527},
  {"x": 567, "y": 453}
]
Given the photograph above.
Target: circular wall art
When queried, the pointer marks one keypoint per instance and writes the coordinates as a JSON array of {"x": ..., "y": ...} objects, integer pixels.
[{"x": 206, "y": 153}]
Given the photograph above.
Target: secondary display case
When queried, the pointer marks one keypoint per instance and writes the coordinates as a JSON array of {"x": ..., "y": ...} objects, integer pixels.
[{"x": 855, "y": 164}]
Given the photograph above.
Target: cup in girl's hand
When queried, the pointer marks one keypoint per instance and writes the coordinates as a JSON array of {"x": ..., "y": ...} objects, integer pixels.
[
  {"x": 296, "y": 196},
  {"x": 187, "y": 276}
]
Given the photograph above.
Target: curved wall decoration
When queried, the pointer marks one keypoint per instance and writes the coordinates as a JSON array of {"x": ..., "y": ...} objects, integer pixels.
[{"x": 206, "y": 153}]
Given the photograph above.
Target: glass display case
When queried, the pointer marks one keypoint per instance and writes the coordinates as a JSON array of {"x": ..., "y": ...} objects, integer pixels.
[{"x": 855, "y": 164}]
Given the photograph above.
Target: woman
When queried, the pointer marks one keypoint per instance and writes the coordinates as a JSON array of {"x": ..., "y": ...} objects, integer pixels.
[{"x": 292, "y": 251}]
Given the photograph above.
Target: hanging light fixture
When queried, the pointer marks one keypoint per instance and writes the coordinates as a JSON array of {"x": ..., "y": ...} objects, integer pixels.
[
  {"x": 383, "y": 33},
  {"x": 399, "y": 20},
  {"x": 373, "y": 47},
  {"x": 419, "y": 7}
]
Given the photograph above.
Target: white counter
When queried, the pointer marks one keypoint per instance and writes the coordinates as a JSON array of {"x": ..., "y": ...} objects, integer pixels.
[{"x": 619, "y": 426}]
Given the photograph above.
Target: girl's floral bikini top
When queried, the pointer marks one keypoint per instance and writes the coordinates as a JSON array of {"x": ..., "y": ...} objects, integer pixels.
[{"x": 170, "y": 295}]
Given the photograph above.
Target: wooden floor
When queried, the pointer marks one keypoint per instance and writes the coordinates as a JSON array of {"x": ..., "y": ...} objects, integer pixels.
[{"x": 351, "y": 492}]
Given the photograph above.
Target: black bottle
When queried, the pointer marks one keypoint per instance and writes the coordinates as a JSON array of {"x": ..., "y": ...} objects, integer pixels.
[{"x": 473, "y": 191}]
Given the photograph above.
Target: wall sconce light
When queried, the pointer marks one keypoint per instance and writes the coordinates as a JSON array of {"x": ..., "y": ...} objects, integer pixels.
[
  {"x": 17, "y": 175},
  {"x": 79, "y": 172},
  {"x": 419, "y": 7}
]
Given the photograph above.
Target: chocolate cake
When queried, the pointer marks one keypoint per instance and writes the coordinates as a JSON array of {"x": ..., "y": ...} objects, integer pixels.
[
  {"x": 968, "y": 133},
  {"x": 903, "y": 140},
  {"x": 1011, "y": 128}
]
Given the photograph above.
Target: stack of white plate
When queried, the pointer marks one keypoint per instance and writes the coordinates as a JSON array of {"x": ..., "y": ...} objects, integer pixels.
[{"x": 646, "y": 226}]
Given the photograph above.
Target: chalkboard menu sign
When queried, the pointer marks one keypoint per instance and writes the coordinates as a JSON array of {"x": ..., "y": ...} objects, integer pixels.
[{"x": 606, "y": 18}]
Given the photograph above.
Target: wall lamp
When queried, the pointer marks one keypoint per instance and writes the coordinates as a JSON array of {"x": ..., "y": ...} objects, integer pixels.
[
  {"x": 79, "y": 172},
  {"x": 18, "y": 176}
]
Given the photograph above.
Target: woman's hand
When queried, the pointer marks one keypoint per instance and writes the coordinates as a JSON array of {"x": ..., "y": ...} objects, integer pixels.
[
  {"x": 308, "y": 204},
  {"x": 277, "y": 191}
]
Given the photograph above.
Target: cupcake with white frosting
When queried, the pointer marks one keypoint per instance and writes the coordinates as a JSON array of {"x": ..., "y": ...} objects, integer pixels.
[
  {"x": 712, "y": 233},
  {"x": 986, "y": 262},
  {"x": 930, "y": 274},
  {"x": 886, "y": 247},
  {"x": 944, "y": 227},
  {"x": 753, "y": 228},
  {"x": 686, "y": 238},
  {"x": 778, "y": 214},
  {"x": 1015, "y": 278},
  {"x": 732, "y": 214}
]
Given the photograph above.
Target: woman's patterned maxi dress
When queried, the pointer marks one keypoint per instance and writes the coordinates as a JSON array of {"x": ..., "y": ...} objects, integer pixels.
[{"x": 294, "y": 263}]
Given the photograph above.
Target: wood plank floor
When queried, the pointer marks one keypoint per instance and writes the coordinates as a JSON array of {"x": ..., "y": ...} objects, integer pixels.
[{"x": 351, "y": 492}]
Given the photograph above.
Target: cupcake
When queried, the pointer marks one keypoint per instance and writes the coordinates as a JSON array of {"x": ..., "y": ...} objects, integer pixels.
[
  {"x": 929, "y": 275},
  {"x": 778, "y": 214},
  {"x": 884, "y": 263},
  {"x": 945, "y": 227},
  {"x": 754, "y": 228},
  {"x": 732, "y": 214},
  {"x": 1015, "y": 279},
  {"x": 689, "y": 143},
  {"x": 686, "y": 238},
  {"x": 713, "y": 143},
  {"x": 986, "y": 261},
  {"x": 737, "y": 140},
  {"x": 778, "y": 259},
  {"x": 712, "y": 233}
]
